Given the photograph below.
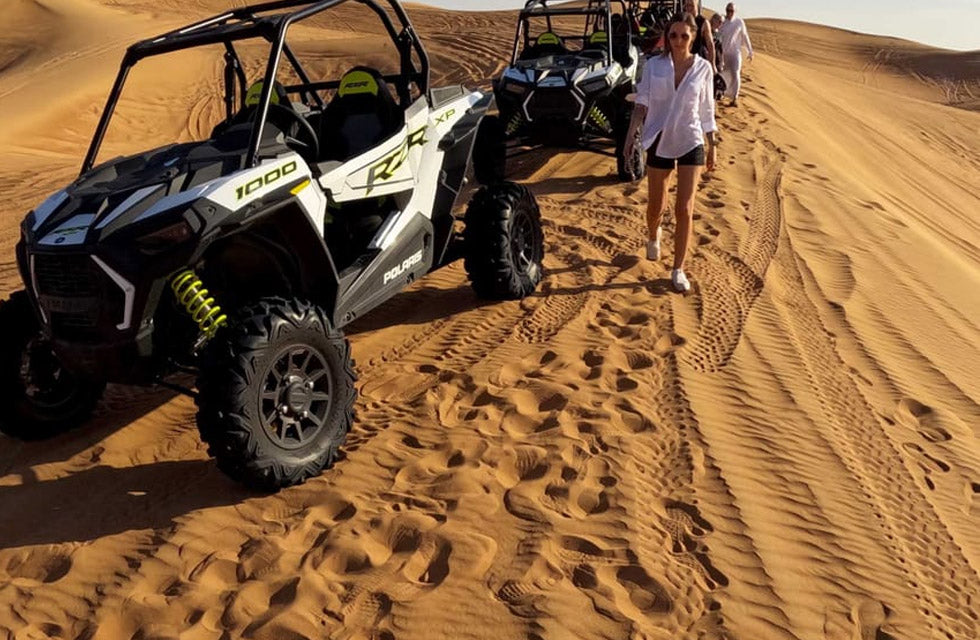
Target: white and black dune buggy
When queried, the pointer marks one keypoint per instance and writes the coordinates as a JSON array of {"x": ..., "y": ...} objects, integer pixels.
[
  {"x": 652, "y": 17},
  {"x": 570, "y": 89},
  {"x": 240, "y": 258}
]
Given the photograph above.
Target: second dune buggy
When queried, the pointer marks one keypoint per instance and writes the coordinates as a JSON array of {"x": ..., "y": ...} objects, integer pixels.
[{"x": 570, "y": 74}]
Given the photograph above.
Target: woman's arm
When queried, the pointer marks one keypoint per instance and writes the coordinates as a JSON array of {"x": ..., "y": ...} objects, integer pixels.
[
  {"x": 641, "y": 107},
  {"x": 709, "y": 43},
  {"x": 636, "y": 126},
  {"x": 706, "y": 109},
  {"x": 710, "y": 151}
]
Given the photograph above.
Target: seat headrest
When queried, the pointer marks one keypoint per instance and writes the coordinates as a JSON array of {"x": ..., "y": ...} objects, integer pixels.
[
  {"x": 599, "y": 37},
  {"x": 549, "y": 37},
  {"x": 254, "y": 94},
  {"x": 361, "y": 81}
]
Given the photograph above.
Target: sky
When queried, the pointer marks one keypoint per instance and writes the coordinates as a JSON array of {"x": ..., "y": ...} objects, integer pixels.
[{"x": 952, "y": 24}]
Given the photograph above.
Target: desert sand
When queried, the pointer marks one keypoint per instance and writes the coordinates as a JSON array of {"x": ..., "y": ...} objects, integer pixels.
[{"x": 791, "y": 452}]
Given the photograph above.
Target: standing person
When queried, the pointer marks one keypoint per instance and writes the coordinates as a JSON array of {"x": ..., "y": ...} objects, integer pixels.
[
  {"x": 703, "y": 43},
  {"x": 720, "y": 85},
  {"x": 675, "y": 114},
  {"x": 715, "y": 23},
  {"x": 734, "y": 36}
]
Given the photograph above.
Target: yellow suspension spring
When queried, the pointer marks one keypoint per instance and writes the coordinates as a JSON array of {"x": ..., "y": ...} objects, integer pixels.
[
  {"x": 599, "y": 119},
  {"x": 514, "y": 124},
  {"x": 193, "y": 297}
]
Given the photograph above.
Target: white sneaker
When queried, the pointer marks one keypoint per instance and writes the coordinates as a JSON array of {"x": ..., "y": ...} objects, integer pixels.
[
  {"x": 653, "y": 246},
  {"x": 681, "y": 283}
]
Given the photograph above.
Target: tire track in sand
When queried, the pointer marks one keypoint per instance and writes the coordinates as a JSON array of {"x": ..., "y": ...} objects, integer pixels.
[{"x": 730, "y": 284}]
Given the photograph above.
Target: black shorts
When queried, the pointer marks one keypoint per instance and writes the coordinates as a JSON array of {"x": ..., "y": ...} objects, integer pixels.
[{"x": 693, "y": 158}]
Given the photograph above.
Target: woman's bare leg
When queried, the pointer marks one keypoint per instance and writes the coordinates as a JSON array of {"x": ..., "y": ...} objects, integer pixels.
[
  {"x": 687, "y": 184},
  {"x": 658, "y": 181}
]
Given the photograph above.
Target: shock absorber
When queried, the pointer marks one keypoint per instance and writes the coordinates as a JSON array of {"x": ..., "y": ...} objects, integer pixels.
[
  {"x": 599, "y": 119},
  {"x": 514, "y": 124},
  {"x": 193, "y": 297}
]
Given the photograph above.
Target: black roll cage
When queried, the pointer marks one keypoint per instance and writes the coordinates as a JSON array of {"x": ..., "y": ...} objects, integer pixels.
[
  {"x": 672, "y": 6},
  {"x": 595, "y": 10},
  {"x": 245, "y": 23}
]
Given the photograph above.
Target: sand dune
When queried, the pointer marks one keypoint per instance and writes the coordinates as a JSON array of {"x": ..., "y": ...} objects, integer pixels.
[
  {"x": 790, "y": 452},
  {"x": 903, "y": 67}
]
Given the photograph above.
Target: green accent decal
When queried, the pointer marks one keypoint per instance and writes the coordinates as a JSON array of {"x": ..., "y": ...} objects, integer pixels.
[
  {"x": 388, "y": 166},
  {"x": 446, "y": 115},
  {"x": 273, "y": 176}
]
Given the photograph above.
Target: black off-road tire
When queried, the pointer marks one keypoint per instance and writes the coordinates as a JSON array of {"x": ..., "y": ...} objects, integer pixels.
[
  {"x": 261, "y": 363},
  {"x": 32, "y": 408},
  {"x": 503, "y": 243},
  {"x": 635, "y": 167},
  {"x": 490, "y": 151}
]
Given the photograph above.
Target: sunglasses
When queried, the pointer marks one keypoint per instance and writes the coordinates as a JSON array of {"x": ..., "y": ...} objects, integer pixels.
[{"x": 675, "y": 35}]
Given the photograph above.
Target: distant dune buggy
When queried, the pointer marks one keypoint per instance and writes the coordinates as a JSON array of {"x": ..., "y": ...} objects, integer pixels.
[
  {"x": 570, "y": 88},
  {"x": 652, "y": 17},
  {"x": 241, "y": 257}
]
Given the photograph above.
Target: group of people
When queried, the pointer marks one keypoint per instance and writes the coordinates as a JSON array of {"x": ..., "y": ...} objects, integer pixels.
[{"x": 674, "y": 119}]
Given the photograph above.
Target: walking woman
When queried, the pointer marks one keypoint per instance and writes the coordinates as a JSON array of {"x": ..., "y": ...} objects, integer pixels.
[{"x": 675, "y": 107}]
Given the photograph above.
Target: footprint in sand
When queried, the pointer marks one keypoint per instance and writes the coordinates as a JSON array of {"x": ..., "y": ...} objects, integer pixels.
[
  {"x": 638, "y": 360},
  {"x": 927, "y": 463},
  {"x": 867, "y": 619},
  {"x": 632, "y": 418},
  {"x": 668, "y": 343},
  {"x": 687, "y": 528},
  {"x": 644, "y": 593},
  {"x": 625, "y": 383},
  {"x": 923, "y": 419},
  {"x": 42, "y": 566}
]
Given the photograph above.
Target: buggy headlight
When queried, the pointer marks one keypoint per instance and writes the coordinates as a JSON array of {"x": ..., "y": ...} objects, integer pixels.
[
  {"x": 595, "y": 85},
  {"x": 162, "y": 239},
  {"x": 515, "y": 88}
]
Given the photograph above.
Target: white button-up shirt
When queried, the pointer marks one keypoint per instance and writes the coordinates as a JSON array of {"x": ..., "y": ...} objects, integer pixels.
[
  {"x": 683, "y": 115},
  {"x": 734, "y": 36}
]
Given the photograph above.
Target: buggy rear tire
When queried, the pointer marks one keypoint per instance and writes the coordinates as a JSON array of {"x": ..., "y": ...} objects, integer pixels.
[
  {"x": 503, "y": 243},
  {"x": 635, "y": 167},
  {"x": 41, "y": 397},
  {"x": 276, "y": 394},
  {"x": 490, "y": 151}
]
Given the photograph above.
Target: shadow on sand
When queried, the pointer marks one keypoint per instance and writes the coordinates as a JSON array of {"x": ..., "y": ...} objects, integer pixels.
[
  {"x": 101, "y": 500},
  {"x": 104, "y": 500}
]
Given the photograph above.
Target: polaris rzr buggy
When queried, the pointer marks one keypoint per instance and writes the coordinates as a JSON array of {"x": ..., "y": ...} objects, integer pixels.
[
  {"x": 240, "y": 258},
  {"x": 652, "y": 17},
  {"x": 572, "y": 89}
]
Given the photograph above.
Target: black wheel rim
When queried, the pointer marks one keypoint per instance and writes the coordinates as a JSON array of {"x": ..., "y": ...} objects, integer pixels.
[
  {"x": 522, "y": 242},
  {"x": 46, "y": 383},
  {"x": 295, "y": 399}
]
